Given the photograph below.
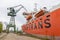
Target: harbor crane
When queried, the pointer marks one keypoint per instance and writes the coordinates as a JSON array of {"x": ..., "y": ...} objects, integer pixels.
[{"x": 12, "y": 14}]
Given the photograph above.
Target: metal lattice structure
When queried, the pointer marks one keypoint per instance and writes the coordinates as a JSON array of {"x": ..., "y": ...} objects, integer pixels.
[{"x": 12, "y": 14}]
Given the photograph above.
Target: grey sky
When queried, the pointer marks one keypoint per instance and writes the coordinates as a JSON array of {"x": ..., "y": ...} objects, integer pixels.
[{"x": 29, "y": 4}]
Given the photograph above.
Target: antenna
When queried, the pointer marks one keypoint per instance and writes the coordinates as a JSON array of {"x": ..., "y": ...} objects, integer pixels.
[{"x": 35, "y": 9}]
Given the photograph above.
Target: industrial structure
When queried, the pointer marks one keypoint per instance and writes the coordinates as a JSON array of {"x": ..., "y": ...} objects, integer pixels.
[
  {"x": 45, "y": 24},
  {"x": 12, "y": 14}
]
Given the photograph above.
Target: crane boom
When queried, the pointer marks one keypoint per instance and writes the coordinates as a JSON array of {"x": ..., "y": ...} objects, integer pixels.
[
  {"x": 21, "y": 8},
  {"x": 12, "y": 10},
  {"x": 15, "y": 6}
]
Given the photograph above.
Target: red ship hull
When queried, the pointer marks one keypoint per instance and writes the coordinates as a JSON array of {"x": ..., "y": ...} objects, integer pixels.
[{"x": 46, "y": 25}]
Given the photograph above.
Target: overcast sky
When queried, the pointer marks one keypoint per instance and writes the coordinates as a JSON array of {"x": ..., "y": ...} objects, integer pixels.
[{"x": 29, "y": 4}]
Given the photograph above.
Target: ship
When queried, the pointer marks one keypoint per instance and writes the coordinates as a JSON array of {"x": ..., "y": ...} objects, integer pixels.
[{"x": 44, "y": 24}]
